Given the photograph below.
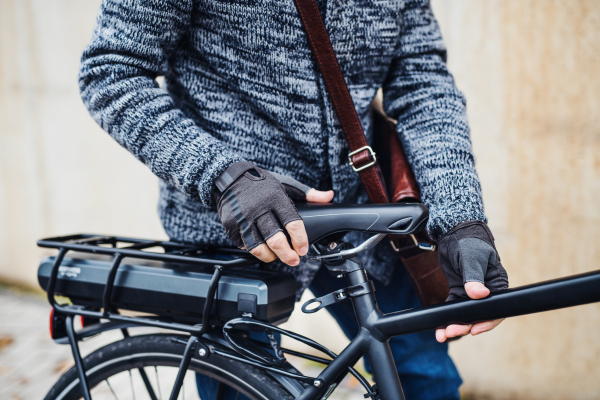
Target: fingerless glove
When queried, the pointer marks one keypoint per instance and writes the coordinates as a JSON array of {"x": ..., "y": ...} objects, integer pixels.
[
  {"x": 253, "y": 204},
  {"x": 468, "y": 253}
]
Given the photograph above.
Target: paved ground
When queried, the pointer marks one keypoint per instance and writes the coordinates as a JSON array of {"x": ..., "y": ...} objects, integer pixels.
[{"x": 30, "y": 362}]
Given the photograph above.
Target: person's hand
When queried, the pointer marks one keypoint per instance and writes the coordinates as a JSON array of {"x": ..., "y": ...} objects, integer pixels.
[
  {"x": 255, "y": 206},
  {"x": 472, "y": 267}
]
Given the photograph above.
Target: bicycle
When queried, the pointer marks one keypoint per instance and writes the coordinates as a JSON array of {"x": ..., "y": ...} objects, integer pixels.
[{"x": 214, "y": 300}]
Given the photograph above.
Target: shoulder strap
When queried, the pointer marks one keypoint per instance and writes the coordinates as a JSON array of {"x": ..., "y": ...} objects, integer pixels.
[
  {"x": 361, "y": 157},
  {"x": 422, "y": 266}
]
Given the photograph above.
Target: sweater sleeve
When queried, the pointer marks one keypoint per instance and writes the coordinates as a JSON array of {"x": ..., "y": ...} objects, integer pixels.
[
  {"x": 130, "y": 46},
  {"x": 420, "y": 93}
]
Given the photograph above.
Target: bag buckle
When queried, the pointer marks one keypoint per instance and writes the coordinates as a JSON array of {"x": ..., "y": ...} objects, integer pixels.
[
  {"x": 371, "y": 152},
  {"x": 421, "y": 245}
]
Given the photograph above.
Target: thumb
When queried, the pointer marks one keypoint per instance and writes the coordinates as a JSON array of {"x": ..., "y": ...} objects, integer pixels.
[
  {"x": 476, "y": 290},
  {"x": 317, "y": 196}
]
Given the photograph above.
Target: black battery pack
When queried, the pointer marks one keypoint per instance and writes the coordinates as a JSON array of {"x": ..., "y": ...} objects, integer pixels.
[{"x": 175, "y": 290}]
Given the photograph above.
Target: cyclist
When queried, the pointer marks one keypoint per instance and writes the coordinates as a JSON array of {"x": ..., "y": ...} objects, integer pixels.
[{"x": 243, "y": 99}]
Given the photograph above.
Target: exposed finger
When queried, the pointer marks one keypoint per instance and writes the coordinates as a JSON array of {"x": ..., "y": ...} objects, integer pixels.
[
  {"x": 263, "y": 253},
  {"x": 317, "y": 196},
  {"x": 485, "y": 326},
  {"x": 297, "y": 233},
  {"x": 457, "y": 330},
  {"x": 476, "y": 290},
  {"x": 279, "y": 245},
  {"x": 440, "y": 335}
]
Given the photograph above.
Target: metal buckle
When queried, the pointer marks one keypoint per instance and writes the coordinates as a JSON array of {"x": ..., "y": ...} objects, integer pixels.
[
  {"x": 364, "y": 166},
  {"x": 420, "y": 245},
  {"x": 423, "y": 246}
]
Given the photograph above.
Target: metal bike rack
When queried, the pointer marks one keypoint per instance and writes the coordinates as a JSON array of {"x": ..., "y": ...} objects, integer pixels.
[{"x": 135, "y": 249}]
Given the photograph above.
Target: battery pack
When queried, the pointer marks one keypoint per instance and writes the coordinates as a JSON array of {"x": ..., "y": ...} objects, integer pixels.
[{"x": 173, "y": 290}]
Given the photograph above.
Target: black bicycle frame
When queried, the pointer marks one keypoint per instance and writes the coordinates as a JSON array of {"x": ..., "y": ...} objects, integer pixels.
[
  {"x": 375, "y": 331},
  {"x": 377, "y": 328}
]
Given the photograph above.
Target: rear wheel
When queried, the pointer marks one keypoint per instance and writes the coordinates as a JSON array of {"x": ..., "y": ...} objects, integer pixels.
[{"x": 145, "y": 367}]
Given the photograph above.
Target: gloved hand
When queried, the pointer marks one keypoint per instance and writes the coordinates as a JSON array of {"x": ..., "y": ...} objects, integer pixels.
[
  {"x": 471, "y": 263},
  {"x": 255, "y": 206}
]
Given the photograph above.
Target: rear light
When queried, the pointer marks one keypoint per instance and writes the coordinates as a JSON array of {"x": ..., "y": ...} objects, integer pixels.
[{"x": 58, "y": 327}]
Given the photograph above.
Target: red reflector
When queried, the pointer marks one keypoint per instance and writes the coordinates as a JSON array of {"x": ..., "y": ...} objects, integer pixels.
[
  {"x": 51, "y": 322},
  {"x": 58, "y": 328}
]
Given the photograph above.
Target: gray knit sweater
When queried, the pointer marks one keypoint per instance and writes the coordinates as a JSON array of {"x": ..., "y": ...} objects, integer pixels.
[{"x": 241, "y": 84}]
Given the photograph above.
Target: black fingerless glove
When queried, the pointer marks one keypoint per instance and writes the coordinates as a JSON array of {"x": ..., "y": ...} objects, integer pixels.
[
  {"x": 468, "y": 253},
  {"x": 254, "y": 204}
]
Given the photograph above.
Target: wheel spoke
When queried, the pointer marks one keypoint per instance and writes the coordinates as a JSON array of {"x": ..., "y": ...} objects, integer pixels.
[
  {"x": 131, "y": 382},
  {"x": 158, "y": 382},
  {"x": 111, "y": 389},
  {"x": 147, "y": 384}
]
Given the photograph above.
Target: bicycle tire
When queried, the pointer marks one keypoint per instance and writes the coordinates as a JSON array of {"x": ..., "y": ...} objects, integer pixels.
[{"x": 161, "y": 350}]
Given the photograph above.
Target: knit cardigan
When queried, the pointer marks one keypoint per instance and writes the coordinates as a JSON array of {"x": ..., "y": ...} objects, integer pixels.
[{"x": 241, "y": 83}]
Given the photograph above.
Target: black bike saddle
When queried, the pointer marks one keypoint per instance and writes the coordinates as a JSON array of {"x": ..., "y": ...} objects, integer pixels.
[{"x": 321, "y": 220}]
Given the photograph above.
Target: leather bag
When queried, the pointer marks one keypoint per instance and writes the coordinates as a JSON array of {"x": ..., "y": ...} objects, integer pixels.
[{"x": 383, "y": 169}]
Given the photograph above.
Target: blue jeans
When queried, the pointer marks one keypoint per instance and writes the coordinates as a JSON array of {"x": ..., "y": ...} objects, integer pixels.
[{"x": 424, "y": 366}]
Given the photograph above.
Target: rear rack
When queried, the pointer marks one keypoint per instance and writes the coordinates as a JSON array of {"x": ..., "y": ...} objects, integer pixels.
[
  {"x": 120, "y": 248},
  {"x": 138, "y": 248}
]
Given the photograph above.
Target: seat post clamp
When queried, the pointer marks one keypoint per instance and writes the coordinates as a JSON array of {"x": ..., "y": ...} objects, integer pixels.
[
  {"x": 338, "y": 295},
  {"x": 370, "y": 164}
]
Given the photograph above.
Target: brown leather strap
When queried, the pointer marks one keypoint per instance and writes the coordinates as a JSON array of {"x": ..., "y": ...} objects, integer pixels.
[
  {"x": 427, "y": 277},
  {"x": 343, "y": 105},
  {"x": 423, "y": 267}
]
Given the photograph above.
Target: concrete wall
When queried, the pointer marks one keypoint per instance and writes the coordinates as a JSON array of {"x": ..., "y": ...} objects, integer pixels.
[
  {"x": 59, "y": 172},
  {"x": 529, "y": 70}
]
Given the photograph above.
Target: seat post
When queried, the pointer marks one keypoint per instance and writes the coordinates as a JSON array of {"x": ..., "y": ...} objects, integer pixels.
[
  {"x": 363, "y": 305},
  {"x": 378, "y": 348}
]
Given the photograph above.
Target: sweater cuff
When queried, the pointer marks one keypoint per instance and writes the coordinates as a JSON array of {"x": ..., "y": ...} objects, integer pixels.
[
  {"x": 217, "y": 167},
  {"x": 441, "y": 222}
]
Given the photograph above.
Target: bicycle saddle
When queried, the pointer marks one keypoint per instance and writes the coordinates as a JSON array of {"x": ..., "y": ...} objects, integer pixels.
[{"x": 321, "y": 220}]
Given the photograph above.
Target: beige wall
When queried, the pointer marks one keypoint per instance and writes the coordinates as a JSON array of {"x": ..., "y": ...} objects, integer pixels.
[
  {"x": 59, "y": 172},
  {"x": 529, "y": 70}
]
